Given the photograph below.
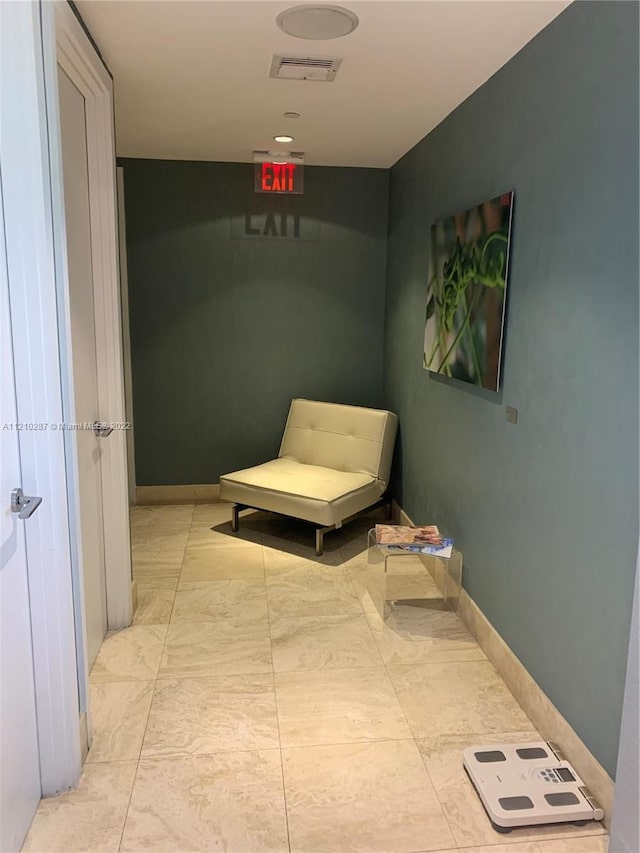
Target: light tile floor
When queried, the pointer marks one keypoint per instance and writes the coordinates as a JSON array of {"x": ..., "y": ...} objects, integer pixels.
[{"x": 266, "y": 700}]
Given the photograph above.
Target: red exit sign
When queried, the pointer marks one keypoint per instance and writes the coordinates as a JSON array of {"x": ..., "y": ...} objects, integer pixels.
[{"x": 279, "y": 178}]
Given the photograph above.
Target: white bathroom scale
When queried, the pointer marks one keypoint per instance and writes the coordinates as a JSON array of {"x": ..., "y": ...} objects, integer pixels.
[{"x": 525, "y": 784}]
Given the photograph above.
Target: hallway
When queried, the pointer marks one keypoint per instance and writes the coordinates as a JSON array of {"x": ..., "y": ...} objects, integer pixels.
[{"x": 260, "y": 702}]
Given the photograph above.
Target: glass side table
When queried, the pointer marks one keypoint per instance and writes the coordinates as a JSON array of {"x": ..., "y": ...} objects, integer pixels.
[{"x": 445, "y": 574}]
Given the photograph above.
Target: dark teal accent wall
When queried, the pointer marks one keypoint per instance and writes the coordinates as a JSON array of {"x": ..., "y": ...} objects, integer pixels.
[
  {"x": 546, "y": 511},
  {"x": 228, "y": 326}
]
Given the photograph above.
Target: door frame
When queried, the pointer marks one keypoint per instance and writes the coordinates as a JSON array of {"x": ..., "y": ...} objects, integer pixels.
[
  {"x": 26, "y": 175},
  {"x": 33, "y": 36},
  {"x": 126, "y": 334},
  {"x": 66, "y": 43}
]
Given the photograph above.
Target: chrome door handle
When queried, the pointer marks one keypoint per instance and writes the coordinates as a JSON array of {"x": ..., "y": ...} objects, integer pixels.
[
  {"x": 101, "y": 430},
  {"x": 24, "y": 505}
]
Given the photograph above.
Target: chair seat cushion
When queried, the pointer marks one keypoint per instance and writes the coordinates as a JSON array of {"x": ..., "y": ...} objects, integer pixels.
[{"x": 321, "y": 495}]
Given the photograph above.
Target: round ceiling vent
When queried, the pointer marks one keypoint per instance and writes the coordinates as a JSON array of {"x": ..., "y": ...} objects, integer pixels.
[{"x": 317, "y": 22}]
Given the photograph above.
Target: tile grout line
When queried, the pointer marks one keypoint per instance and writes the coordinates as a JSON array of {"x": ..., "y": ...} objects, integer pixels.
[
  {"x": 333, "y": 744},
  {"x": 171, "y": 755},
  {"x": 275, "y": 702},
  {"x": 437, "y": 793},
  {"x": 133, "y": 784},
  {"x": 388, "y": 674},
  {"x": 364, "y": 612},
  {"x": 152, "y": 578},
  {"x": 355, "y": 591},
  {"x": 184, "y": 553},
  {"x": 153, "y": 693},
  {"x": 415, "y": 743},
  {"x": 202, "y": 621},
  {"x": 175, "y": 593}
]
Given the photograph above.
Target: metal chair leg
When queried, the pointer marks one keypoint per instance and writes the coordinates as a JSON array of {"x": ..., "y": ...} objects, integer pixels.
[
  {"x": 235, "y": 518},
  {"x": 319, "y": 541}
]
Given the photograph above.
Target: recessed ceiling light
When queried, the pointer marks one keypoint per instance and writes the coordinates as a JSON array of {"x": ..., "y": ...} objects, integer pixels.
[
  {"x": 317, "y": 22},
  {"x": 283, "y": 138},
  {"x": 291, "y": 115}
]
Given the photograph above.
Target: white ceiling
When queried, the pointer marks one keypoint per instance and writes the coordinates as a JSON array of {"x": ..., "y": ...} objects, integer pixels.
[{"x": 192, "y": 78}]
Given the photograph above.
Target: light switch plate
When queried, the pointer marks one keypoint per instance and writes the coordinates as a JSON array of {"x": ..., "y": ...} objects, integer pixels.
[{"x": 511, "y": 414}]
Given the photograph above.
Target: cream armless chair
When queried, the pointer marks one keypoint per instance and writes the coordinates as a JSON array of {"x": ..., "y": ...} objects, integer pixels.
[{"x": 334, "y": 462}]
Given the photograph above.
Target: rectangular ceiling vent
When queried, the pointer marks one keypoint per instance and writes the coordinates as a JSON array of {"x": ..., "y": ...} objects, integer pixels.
[
  {"x": 296, "y": 157},
  {"x": 319, "y": 69}
]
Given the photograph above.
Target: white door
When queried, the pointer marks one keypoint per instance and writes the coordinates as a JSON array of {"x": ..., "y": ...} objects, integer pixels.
[
  {"x": 83, "y": 347},
  {"x": 19, "y": 760}
]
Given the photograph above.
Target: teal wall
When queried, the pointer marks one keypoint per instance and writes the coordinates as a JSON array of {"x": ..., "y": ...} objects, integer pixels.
[
  {"x": 227, "y": 327},
  {"x": 546, "y": 511}
]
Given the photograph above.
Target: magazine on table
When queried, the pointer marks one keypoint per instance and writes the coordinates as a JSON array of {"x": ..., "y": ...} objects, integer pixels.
[{"x": 423, "y": 539}]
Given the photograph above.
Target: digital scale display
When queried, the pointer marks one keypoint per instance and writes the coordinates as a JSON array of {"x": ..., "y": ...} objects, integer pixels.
[{"x": 565, "y": 774}]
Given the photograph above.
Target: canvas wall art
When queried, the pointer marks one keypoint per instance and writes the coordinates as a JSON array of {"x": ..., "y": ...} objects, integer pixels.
[{"x": 466, "y": 295}]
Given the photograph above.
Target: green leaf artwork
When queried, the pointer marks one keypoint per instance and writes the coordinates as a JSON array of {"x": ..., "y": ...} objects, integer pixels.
[{"x": 466, "y": 293}]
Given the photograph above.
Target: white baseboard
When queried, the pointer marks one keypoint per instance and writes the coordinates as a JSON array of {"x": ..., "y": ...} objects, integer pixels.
[
  {"x": 533, "y": 700},
  {"x": 200, "y": 493}
]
